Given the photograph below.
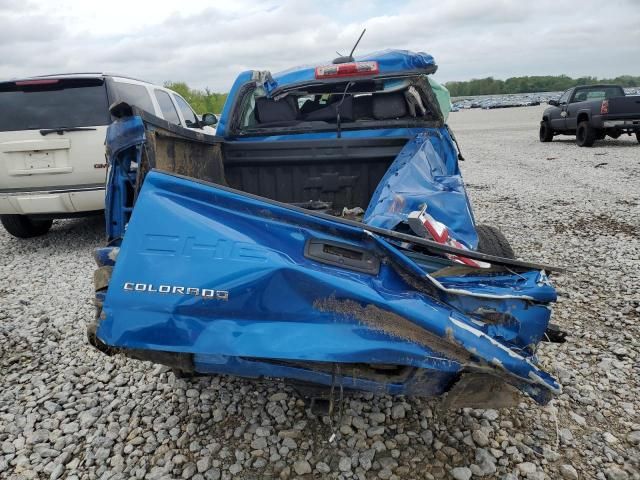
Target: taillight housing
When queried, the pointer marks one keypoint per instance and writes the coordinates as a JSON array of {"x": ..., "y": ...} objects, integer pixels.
[
  {"x": 604, "y": 107},
  {"x": 351, "y": 69},
  {"x": 48, "y": 81}
]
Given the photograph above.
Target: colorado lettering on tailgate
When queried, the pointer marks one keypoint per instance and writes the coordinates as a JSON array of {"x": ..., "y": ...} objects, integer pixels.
[{"x": 206, "y": 293}]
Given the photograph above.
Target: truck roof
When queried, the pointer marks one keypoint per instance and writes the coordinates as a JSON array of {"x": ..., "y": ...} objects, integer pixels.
[
  {"x": 390, "y": 62},
  {"x": 597, "y": 85}
]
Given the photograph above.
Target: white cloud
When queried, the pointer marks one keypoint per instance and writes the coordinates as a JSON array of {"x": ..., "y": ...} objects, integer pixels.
[{"x": 208, "y": 44}]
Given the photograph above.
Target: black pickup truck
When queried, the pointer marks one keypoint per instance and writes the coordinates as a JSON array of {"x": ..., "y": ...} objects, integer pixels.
[{"x": 590, "y": 113}]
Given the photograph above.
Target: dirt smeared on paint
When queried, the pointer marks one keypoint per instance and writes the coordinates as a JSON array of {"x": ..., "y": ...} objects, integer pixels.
[{"x": 395, "y": 326}]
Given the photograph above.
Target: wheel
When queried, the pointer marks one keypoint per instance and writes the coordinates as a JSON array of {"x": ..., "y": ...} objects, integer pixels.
[
  {"x": 492, "y": 242},
  {"x": 638, "y": 136},
  {"x": 22, "y": 226},
  {"x": 546, "y": 133},
  {"x": 585, "y": 135}
]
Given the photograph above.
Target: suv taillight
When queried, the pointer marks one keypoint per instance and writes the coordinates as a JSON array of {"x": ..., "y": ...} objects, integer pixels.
[
  {"x": 23, "y": 83},
  {"x": 352, "y": 69},
  {"x": 604, "y": 107}
]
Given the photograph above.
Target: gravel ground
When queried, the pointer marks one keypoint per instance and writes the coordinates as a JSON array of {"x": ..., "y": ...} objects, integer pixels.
[{"x": 67, "y": 411}]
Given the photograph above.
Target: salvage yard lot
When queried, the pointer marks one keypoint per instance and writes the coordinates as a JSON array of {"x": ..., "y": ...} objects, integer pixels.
[{"x": 67, "y": 411}]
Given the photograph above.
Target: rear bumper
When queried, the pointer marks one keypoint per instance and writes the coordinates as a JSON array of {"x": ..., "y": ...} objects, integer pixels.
[
  {"x": 468, "y": 389},
  {"x": 632, "y": 125},
  {"x": 56, "y": 202}
]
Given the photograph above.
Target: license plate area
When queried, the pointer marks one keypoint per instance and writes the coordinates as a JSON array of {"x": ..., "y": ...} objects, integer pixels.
[{"x": 48, "y": 157}]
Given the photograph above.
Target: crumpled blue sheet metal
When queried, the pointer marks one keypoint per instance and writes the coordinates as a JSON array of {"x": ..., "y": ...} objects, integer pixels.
[
  {"x": 279, "y": 305},
  {"x": 125, "y": 138},
  {"x": 425, "y": 172}
]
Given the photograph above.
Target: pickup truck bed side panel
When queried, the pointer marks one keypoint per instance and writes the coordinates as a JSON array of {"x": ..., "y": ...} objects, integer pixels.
[{"x": 425, "y": 172}]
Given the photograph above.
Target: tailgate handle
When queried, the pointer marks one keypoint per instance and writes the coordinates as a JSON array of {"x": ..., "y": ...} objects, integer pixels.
[{"x": 342, "y": 255}]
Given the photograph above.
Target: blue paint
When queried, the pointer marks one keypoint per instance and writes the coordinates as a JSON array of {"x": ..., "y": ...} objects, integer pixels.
[
  {"x": 125, "y": 139},
  {"x": 416, "y": 383},
  {"x": 389, "y": 62},
  {"x": 189, "y": 234},
  {"x": 268, "y": 307},
  {"x": 425, "y": 172}
]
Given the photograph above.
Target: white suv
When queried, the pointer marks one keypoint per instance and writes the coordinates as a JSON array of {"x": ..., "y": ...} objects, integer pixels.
[{"x": 52, "y": 132}]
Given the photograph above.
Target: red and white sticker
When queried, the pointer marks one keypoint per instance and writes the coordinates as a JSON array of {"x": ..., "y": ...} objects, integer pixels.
[{"x": 426, "y": 226}]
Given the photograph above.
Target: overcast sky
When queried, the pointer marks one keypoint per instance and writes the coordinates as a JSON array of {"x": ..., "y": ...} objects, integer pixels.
[{"x": 207, "y": 43}]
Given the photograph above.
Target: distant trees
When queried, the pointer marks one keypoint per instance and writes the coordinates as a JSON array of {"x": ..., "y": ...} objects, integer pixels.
[
  {"x": 547, "y": 83},
  {"x": 202, "y": 101}
]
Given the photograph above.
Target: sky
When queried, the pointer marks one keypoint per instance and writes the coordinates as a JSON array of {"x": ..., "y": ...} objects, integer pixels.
[{"x": 207, "y": 43}]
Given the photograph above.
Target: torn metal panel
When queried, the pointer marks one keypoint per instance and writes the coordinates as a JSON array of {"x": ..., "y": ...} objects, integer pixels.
[
  {"x": 194, "y": 234},
  {"x": 425, "y": 173}
]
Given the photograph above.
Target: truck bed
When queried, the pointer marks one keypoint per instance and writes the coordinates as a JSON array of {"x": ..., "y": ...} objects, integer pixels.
[{"x": 341, "y": 172}]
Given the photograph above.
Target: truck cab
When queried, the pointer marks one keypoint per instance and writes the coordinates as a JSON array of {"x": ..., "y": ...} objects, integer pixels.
[{"x": 591, "y": 112}]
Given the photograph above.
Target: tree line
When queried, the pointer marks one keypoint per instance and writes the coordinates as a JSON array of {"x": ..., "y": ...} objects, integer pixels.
[
  {"x": 202, "y": 101},
  {"x": 546, "y": 83}
]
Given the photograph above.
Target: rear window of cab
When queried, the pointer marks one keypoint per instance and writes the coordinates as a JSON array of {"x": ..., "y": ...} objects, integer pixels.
[{"x": 348, "y": 103}]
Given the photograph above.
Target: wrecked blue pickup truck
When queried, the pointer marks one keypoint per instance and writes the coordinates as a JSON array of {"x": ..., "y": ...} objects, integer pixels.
[{"x": 323, "y": 237}]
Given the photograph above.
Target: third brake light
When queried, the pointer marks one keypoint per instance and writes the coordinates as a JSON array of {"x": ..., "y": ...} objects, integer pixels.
[{"x": 351, "y": 69}]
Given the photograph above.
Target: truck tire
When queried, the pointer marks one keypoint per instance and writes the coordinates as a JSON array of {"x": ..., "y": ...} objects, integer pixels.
[
  {"x": 492, "y": 242},
  {"x": 586, "y": 134},
  {"x": 638, "y": 136},
  {"x": 546, "y": 132},
  {"x": 22, "y": 226}
]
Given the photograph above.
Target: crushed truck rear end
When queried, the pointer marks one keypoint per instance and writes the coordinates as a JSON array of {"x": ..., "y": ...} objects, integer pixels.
[
  {"x": 209, "y": 279},
  {"x": 212, "y": 280}
]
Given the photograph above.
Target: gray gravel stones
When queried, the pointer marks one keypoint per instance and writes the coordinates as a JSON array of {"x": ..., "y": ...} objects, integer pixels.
[
  {"x": 323, "y": 467},
  {"x": 344, "y": 464},
  {"x": 634, "y": 437},
  {"x": 480, "y": 438},
  {"x": 68, "y": 411},
  {"x": 461, "y": 473},
  {"x": 301, "y": 467},
  {"x": 397, "y": 412},
  {"x": 568, "y": 472},
  {"x": 526, "y": 468},
  {"x": 615, "y": 473}
]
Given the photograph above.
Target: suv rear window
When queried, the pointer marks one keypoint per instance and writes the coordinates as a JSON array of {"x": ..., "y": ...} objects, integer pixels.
[{"x": 53, "y": 103}]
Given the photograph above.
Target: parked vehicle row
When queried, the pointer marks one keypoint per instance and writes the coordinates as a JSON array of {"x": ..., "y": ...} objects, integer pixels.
[
  {"x": 591, "y": 113},
  {"x": 52, "y": 132},
  {"x": 507, "y": 101}
]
